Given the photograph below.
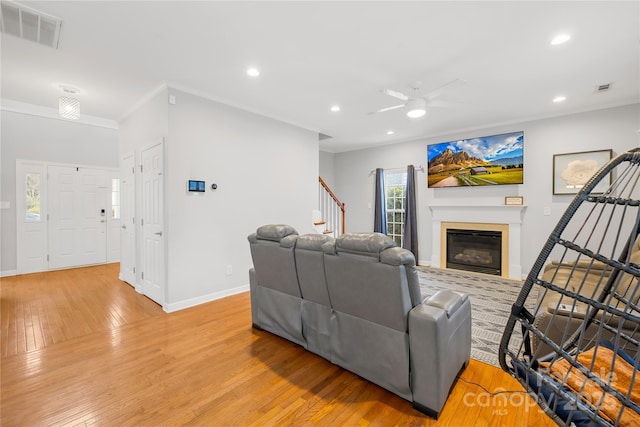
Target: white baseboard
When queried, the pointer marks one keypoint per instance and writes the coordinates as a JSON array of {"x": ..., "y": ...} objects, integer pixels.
[
  {"x": 121, "y": 278},
  {"x": 424, "y": 263},
  {"x": 181, "y": 305},
  {"x": 7, "y": 273}
]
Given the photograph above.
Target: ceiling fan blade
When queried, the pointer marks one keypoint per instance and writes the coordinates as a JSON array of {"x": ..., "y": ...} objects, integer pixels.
[
  {"x": 395, "y": 94},
  {"x": 382, "y": 110},
  {"x": 447, "y": 86},
  {"x": 445, "y": 104}
]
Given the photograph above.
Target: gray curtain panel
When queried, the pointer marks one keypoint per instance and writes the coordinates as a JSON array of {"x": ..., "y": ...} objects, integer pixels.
[
  {"x": 410, "y": 214},
  {"x": 380, "y": 212}
]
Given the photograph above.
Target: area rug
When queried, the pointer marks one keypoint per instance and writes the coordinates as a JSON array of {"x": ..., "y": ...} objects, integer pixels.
[{"x": 491, "y": 300}]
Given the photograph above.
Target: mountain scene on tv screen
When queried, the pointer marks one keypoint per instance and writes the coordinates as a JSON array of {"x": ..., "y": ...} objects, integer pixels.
[{"x": 488, "y": 160}]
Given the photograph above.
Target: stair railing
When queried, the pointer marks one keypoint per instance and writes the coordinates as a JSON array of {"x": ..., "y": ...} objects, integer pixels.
[{"x": 332, "y": 210}]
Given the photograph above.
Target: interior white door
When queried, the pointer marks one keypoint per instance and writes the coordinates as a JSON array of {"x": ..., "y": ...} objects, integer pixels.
[
  {"x": 128, "y": 226},
  {"x": 77, "y": 216},
  {"x": 152, "y": 274},
  {"x": 31, "y": 220}
]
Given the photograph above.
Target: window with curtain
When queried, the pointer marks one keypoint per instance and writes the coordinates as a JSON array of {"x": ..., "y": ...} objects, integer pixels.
[{"x": 395, "y": 194}]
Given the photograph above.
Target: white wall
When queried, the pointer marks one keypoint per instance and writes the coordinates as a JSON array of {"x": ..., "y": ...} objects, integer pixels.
[
  {"x": 327, "y": 172},
  {"x": 30, "y": 137},
  {"x": 145, "y": 126},
  {"x": 266, "y": 172},
  {"x": 614, "y": 128}
]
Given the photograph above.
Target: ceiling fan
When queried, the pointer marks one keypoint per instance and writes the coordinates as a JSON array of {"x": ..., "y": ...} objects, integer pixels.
[{"x": 417, "y": 103}]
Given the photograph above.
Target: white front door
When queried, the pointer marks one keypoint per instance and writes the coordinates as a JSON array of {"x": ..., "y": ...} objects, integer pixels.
[
  {"x": 77, "y": 216},
  {"x": 152, "y": 272},
  {"x": 128, "y": 226}
]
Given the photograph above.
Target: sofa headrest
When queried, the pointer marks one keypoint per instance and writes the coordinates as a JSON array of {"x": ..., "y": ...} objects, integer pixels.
[
  {"x": 313, "y": 242},
  {"x": 275, "y": 232},
  {"x": 398, "y": 256},
  {"x": 370, "y": 244}
]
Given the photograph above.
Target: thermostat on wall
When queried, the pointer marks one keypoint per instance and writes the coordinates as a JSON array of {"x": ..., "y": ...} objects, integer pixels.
[{"x": 197, "y": 186}]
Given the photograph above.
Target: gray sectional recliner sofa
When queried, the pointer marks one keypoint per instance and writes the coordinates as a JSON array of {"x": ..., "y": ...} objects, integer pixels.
[{"x": 356, "y": 301}]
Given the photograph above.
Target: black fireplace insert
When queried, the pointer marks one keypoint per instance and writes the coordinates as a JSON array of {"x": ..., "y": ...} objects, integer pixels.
[{"x": 475, "y": 250}]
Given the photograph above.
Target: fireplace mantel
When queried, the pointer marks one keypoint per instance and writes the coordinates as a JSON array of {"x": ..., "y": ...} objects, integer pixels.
[{"x": 482, "y": 214}]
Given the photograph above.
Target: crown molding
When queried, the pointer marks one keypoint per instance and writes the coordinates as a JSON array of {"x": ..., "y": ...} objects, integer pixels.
[
  {"x": 52, "y": 113},
  {"x": 142, "y": 101}
]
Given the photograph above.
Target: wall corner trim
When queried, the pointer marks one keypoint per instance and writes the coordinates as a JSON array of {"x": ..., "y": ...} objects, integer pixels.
[{"x": 192, "y": 302}]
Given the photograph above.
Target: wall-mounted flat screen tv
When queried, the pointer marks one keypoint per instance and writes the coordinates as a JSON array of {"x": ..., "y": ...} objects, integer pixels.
[{"x": 487, "y": 160}]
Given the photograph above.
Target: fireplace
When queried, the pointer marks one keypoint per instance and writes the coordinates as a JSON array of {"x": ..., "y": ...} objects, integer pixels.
[
  {"x": 507, "y": 219},
  {"x": 474, "y": 250}
]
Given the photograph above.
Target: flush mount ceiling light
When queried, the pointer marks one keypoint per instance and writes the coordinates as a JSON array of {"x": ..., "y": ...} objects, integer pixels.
[
  {"x": 253, "y": 72},
  {"x": 30, "y": 24},
  {"x": 335, "y": 108},
  {"x": 390, "y": 132},
  {"x": 69, "y": 108},
  {"x": 417, "y": 108},
  {"x": 560, "y": 39},
  {"x": 559, "y": 98}
]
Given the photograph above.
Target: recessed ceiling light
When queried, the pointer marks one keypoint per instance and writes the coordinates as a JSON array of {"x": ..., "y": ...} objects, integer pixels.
[
  {"x": 335, "y": 108},
  {"x": 559, "y": 98},
  {"x": 390, "y": 132},
  {"x": 253, "y": 72},
  {"x": 560, "y": 38}
]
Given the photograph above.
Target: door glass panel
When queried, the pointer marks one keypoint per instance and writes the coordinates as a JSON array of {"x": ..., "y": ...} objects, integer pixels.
[
  {"x": 32, "y": 196},
  {"x": 115, "y": 198}
]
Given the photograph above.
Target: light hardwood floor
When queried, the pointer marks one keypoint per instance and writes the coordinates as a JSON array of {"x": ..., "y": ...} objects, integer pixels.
[{"x": 80, "y": 347}]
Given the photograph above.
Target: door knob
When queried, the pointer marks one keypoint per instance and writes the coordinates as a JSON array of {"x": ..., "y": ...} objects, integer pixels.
[
  {"x": 159, "y": 233},
  {"x": 124, "y": 226}
]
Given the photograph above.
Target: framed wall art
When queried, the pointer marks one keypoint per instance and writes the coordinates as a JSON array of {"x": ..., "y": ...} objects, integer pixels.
[{"x": 571, "y": 171}]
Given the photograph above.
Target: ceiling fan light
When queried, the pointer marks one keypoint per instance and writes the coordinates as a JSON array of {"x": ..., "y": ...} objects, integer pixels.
[
  {"x": 416, "y": 113},
  {"x": 69, "y": 108}
]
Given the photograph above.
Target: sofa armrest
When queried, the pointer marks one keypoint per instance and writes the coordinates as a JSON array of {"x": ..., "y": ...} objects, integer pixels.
[
  {"x": 440, "y": 346},
  {"x": 448, "y": 301}
]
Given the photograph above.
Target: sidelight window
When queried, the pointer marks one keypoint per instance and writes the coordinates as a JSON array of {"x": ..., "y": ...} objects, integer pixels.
[
  {"x": 115, "y": 198},
  {"x": 33, "y": 188}
]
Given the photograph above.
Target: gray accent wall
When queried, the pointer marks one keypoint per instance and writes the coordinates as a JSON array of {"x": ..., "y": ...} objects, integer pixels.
[{"x": 615, "y": 128}]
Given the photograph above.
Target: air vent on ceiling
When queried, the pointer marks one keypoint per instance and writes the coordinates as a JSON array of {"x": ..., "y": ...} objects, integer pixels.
[
  {"x": 29, "y": 24},
  {"x": 603, "y": 87}
]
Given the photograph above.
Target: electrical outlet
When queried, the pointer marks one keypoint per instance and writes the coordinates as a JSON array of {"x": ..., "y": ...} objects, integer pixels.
[
  {"x": 546, "y": 211},
  {"x": 229, "y": 270}
]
